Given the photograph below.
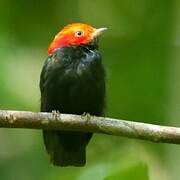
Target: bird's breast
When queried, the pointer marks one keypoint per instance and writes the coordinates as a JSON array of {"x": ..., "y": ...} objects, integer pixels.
[{"x": 74, "y": 81}]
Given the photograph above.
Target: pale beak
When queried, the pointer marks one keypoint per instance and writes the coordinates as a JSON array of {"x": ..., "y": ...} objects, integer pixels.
[{"x": 99, "y": 31}]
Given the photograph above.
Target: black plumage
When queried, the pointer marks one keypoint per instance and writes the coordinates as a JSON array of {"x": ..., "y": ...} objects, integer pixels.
[{"x": 72, "y": 81}]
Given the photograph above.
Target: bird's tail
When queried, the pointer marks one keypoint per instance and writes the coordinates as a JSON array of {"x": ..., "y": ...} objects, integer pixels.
[
  {"x": 66, "y": 148},
  {"x": 64, "y": 157}
]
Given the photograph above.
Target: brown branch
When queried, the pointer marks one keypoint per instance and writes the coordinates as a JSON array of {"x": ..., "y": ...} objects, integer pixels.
[{"x": 117, "y": 127}]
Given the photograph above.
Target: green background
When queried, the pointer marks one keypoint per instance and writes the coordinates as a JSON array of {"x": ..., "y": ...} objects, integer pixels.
[{"x": 141, "y": 54}]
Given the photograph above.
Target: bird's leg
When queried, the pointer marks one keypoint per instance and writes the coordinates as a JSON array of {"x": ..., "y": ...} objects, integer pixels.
[
  {"x": 56, "y": 114},
  {"x": 87, "y": 115}
]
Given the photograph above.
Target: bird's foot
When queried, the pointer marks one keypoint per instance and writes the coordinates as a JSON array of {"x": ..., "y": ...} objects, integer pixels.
[
  {"x": 56, "y": 114},
  {"x": 87, "y": 115}
]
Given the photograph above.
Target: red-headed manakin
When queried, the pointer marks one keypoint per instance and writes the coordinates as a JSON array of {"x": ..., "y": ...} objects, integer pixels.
[{"x": 72, "y": 81}]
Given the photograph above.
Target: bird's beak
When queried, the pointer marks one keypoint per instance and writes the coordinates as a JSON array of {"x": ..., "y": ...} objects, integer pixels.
[{"x": 98, "y": 31}]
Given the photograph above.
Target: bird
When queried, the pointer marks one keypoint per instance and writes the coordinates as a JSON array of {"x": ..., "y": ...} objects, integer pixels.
[{"x": 72, "y": 81}]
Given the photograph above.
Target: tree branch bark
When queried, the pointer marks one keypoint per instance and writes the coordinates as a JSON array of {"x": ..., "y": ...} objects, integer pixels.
[{"x": 87, "y": 123}]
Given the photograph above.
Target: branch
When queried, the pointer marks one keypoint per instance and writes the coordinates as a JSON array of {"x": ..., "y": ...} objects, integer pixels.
[{"x": 117, "y": 127}]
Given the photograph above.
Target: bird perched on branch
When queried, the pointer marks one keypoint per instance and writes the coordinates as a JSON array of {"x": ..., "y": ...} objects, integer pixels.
[{"x": 72, "y": 81}]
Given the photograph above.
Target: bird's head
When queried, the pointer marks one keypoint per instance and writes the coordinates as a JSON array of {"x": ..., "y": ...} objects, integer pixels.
[{"x": 75, "y": 34}]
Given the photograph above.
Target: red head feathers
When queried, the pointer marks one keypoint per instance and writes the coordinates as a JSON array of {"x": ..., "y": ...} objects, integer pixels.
[{"x": 74, "y": 34}]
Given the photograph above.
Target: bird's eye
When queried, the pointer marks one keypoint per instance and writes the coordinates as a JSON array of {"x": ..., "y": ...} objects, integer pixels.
[{"x": 79, "y": 33}]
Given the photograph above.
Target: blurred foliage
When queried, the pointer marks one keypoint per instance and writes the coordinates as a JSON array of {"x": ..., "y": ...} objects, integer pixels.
[
  {"x": 141, "y": 55},
  {"x": 137, "y": 171}
]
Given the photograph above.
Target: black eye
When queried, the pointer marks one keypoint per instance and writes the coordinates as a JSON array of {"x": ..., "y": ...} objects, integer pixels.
[{"x": 79, "y": 33}]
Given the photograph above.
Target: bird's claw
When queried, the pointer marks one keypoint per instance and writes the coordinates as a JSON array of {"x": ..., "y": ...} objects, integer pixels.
[
  {"x": 56, "y": 114},
  {"x": 87, "y": 115}
]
